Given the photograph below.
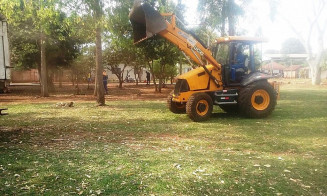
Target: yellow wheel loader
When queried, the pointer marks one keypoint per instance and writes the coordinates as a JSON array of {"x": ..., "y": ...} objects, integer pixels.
[{"x": 226, "y": 75}]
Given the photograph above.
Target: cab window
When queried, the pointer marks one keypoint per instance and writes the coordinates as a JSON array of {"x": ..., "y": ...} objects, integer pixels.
[{"x": 221, "y": 53}]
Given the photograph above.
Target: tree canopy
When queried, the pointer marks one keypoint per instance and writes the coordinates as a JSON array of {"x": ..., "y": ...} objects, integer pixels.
[
  {"x": 219, "y": 14},
  {"x": 292, "y": 46}
]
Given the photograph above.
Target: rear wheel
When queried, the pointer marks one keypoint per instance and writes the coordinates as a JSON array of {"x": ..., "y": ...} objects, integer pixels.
[
  {"x": 199, "y": 107},
  {"x": 257, "y": 100},
  {"x": 175, "y": 107}
]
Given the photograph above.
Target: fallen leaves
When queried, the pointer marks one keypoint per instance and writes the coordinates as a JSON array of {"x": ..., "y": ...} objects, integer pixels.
[{"x": 177, "y": 166}]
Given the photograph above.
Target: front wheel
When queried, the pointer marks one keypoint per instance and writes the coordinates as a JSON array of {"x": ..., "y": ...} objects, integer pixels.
[
  {"x": 175, "y": 107},
  {"x": 199, "y": 107},
  {"x": 257, "y": 100}
]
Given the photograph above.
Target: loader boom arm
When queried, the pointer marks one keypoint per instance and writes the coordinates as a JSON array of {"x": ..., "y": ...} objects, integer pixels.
[
  {"x": 146, "y": 22},
  {"x": 190, "y": 46},
  {"x": 185, "y": 42}
]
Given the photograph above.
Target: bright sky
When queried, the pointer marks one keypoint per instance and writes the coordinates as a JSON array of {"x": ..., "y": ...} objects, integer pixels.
[{"x": 258, "y": 19}]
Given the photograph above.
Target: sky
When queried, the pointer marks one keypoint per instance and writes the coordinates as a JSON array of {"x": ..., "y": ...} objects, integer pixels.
[{"x": 295, "y": 12}]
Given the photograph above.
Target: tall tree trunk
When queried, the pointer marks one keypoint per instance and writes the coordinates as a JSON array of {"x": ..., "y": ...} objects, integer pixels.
[
  {"x": 231, "y": 18},
  {"x": 51, "y": 86},
  {"x": 154, "y": 81},
  {"x": 136, "y": 78},
  {"x": 315, "y": 73},
  {"x": 153, "y": 76},
  {"x": 44, "y": 76},
  {"x": 317, "y": 79},
  {"x": 314, "y": 62},
  {"x": 99, "y": 69},
  {"x": 121, "y": 80},
  {"x": 39, "y": 72},
  {"x": 223, "y": 16},
  {"x": 60, "y": 75},
  {"x": 95, "y": 84},
  {"x": 160, "y": 85}
]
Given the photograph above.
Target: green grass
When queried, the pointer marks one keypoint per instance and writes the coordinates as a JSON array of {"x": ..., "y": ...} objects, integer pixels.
[{"x": 140, "y": 148}]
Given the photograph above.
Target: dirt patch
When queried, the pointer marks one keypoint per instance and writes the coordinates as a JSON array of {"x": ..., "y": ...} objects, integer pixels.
[{"x": 31, "y": 93}]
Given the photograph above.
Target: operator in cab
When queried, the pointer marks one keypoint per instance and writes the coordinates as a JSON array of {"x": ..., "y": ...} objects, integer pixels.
[{"x": 238, "y": 63}]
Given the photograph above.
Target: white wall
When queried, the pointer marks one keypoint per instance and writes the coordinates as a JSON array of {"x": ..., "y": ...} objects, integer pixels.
[
  {"x": 130, "y": 70},
  {"x": 4, "y": 52}
]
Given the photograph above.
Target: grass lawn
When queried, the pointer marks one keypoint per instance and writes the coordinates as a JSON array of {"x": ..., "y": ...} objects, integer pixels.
[{"x": 140, "y": 148}]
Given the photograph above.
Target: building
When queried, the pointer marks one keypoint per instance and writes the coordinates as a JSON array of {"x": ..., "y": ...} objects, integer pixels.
[
  {"x": 292, "y": 71},
  {"x": 273, "y": 68}
]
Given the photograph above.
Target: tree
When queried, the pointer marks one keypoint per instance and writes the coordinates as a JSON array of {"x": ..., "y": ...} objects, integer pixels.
[
  {"x": 167, "y": 72},
  {"x": 139, "y": 65},
  {"x": 313, "y": 39},
  {"x": 121, "y": 52},
  {"x": 169, "y": 56},
  {"x": 96, "y": 6},
  {"x": 292, "y": 46},
  {"x": 59, "y": 48},
  {"x": 92, "y": 11},
  {"x": 150, "y": 55},
  {"x": 116, "y": 64},
  {"x": 217, "y": 13},
  {"x": 160, "y": 54},
  {"x": 83, "y": 65},
  {"x": 39, "y": 15},
  {"x": 80, "y": 69}
]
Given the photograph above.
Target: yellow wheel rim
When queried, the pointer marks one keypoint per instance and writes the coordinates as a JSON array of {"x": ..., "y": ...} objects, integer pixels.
[
  {"x": 202, "y": 107},
  {"x": 260, "y": 99}
]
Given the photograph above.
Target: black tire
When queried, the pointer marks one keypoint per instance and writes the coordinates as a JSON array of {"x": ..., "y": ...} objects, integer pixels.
[
  {"x": 231, "y": 109},
  {"x": 257, "y": 100},
  {"x": 199, "y": 107},
  {"x": 174, "y": 107}
]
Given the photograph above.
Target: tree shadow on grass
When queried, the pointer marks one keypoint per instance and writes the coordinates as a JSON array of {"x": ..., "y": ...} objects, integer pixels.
[
  {"x": 225, "y": 115},
  {"x": 57, "y": 173}
]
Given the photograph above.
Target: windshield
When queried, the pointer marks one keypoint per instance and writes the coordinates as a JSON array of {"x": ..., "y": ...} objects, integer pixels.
[{"x": 220, "y": 53}]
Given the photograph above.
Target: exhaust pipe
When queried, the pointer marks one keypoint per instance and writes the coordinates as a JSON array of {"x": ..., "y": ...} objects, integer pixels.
[{"x": 146, "y": 21}]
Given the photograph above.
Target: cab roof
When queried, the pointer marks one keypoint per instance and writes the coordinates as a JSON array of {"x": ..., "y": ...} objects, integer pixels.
[{"x": 228, "y": 39}]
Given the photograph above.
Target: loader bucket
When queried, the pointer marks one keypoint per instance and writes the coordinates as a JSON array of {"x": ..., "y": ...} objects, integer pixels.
[{"x": 146, "y": 21}]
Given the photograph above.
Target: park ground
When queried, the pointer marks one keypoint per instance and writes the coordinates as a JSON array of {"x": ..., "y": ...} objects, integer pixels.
[{"x": 135, "y": 146}]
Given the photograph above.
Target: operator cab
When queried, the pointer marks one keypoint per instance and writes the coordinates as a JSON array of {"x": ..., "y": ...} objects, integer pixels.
[{"x": 237, "y": 57}]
